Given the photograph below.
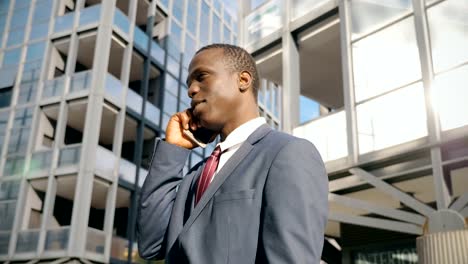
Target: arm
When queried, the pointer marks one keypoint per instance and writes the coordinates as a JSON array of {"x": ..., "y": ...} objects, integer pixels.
[
  {"x": 157, "y": 198},
  {"x": 295, "y": 206}
]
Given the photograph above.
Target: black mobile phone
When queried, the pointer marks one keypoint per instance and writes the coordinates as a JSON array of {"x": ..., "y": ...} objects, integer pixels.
[{"x": 201, "y": 136}]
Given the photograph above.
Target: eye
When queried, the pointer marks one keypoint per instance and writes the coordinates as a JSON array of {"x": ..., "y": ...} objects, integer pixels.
[{"x": 201, "y": 76}]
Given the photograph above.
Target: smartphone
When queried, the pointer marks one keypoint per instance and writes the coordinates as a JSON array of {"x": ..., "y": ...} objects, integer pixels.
[{"x": 201, "y": 136}]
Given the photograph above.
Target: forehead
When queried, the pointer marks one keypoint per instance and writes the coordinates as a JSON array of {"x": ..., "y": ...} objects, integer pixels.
[{"x": 208, "y": 58}]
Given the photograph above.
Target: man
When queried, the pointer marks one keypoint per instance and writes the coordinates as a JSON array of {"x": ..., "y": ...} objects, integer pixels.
[{"x": 261, "y": 197}]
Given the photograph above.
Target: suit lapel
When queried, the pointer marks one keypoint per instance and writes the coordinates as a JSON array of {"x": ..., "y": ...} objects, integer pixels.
[
  {"x": 226, "y": 171},
  {"x": 179, "y": 210}
]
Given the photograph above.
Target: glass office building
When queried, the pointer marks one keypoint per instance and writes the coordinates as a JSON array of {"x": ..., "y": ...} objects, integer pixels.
[
  {"x": 389, "y": 78},
  {"x": 85, "y": 88}
]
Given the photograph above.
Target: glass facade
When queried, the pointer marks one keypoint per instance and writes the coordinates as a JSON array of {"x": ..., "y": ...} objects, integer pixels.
[{"x": 50, "y": 80}]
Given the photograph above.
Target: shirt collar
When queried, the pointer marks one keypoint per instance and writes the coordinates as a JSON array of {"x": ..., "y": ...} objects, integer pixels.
[{"x": 241, "y": 133}]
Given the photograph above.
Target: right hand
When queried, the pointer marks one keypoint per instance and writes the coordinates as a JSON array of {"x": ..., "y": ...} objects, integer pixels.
[{"x": 174, "y": 131}]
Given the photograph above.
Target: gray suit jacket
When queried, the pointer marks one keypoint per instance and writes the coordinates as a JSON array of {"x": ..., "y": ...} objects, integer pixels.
[{"x": 268, "y": 204}]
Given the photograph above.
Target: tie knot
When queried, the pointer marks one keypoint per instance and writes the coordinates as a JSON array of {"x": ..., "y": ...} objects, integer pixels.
[{"x": 216, "y": 152}]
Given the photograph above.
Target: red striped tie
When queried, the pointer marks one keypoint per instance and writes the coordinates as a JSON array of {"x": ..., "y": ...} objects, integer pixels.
[{"x": 208, "y": 172}]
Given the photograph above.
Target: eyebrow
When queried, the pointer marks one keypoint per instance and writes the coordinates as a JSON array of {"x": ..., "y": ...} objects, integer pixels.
[{"x": 194, "y": 73}]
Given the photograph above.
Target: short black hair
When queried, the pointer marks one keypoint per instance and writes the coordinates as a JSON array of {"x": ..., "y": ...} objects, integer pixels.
[{"x": 237, "y": 59}]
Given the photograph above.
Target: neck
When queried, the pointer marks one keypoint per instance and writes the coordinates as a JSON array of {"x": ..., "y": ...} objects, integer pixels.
[{"x": 244, "y": 118}]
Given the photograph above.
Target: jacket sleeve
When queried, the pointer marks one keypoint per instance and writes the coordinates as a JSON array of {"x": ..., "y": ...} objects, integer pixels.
[
  {"x": 295, "y": 206},
  {"x": 157, "y": 198}
]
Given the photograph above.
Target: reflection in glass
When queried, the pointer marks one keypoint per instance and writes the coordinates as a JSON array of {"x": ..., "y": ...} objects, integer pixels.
[
  {"x": 39, "y": 31},
  {"x": 27, "y": 241},
  {"x": 57, "y": 239},
  {"x": 43, "y": 11},
  {"x": 15, "y": 37},
  {"x": 204, "y": 24},
  {"x": 302, "y": 7},
  {"x": 53, "y": 87},
  {"x": 64, "y": 23},
  {"x": 192, "y": 19},
  {"x": 90, "y": 15},
  {"x": 152, "y": 113},
  {"x": 121, "y": 21},
  {"x": 140, "y": 39},
  {"x": 80, "y": 81},
  {"x": 450, "y": 98},
  {"x": 134, "y": 101},
  {"x": 448, "y": 26},
  {"x": 392, "y": 119},
  {"x": 386, "y": 60},
  {"x": 157, "y": 52},
  {"x": 36, "y": 51},
  {"x": 263, "y": 21},
  {"x": 369, "y": 15},
  {"x": 328, "y": 134},
  {"x": 216, "y": 35}
]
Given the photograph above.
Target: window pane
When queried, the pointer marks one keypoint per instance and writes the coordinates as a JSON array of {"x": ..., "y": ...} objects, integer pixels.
[
  {"x": 448, "y": 26},
  {"x": 15, "y": 37},
  {"x": 19, "y": 19},
  {"x": 28, "y": 92},
  {"x": 369, "y": 15},
  {"x": 43, "y": 11},
  {"x": 5, "y": 98},
  {"x": 204, "y": 23},
  {"x": 170, "y": 103},
  {"x": 216, "y": 37},
  {"x": 177, "y": 9},
  {"x": 12, "y": 57},
  {"x": 386, "y": 60},
  {"x": 7, "y": 211},
  {"x": 39, "y": 31},
  {"x": 36, "y": 51},
  {"x": 192, "y": 19},
  {"x": 171, "y": 84},
  {"x": 450, "y": 97},
  {"x": 392, "y": 119}
]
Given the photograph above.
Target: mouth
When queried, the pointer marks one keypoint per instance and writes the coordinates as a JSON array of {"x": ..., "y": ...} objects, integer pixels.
[{"x": 195, "y": 103}]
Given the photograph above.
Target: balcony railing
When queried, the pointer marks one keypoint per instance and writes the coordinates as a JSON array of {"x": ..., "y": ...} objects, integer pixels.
[
  {"x": 140, "y": 39},
  {"x": 263, "y": 21},
  {"x": 302, "y": 7},
  {"x": 64, "y": 23},
  {"x": 4, "y": 242},
  {"x": 57, "y": 239},
  {"x": 127, "y": 171},
  {"x": 53, "y": 87},
  {"x": 119, "y": 248},
  {"x": 121, "y": 21},
  {"x": 95, "y": 241},
  {"x": 69, "y": 155},
  {"x": 105, "y": 162},
  {"x": 152, "y": 113},
  {"x": 157, "y": 53},
  {"x": 114, "y": 88},
  {"x": 134, "y": 101},
  {"x": 27, "y": 241},
  {"x": 80, "y": 81},
  {"x": 40, "y": 161},
  {"x": 328, "y": 135},
  {"x": 90, "y": 15}
]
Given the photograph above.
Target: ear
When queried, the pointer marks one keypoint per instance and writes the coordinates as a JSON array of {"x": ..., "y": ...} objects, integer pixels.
[{"x": 245, "y": 81}]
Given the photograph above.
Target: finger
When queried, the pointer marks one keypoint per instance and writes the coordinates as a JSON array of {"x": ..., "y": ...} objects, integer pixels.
[{"x": 184, "y": 119}]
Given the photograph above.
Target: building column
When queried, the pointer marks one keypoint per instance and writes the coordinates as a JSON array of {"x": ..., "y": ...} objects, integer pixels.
[
  {"x": 291, "y": 86},
  {"x": 85, "y": 179},
  {"x": 443, "y": 247}
]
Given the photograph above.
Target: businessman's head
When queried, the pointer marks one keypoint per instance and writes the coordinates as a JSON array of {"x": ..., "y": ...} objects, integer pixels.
[{"x": 223, "y": 84}]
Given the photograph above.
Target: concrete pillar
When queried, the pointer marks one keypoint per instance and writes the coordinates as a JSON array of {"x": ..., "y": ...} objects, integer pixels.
[{"x": 443, "y": 247}]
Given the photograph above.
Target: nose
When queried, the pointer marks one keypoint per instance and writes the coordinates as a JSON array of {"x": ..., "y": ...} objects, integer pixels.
[{"x": 193, "y": 89}]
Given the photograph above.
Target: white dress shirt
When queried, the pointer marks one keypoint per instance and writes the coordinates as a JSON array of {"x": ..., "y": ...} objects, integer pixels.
[{"x": 235, "y": 139}]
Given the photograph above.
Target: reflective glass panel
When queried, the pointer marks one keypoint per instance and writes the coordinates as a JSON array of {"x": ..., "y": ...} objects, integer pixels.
[
  {"x": 392, "y": 119},
  {"x": 43, "y": 11},
  {"x": 170, "y": 103},
  {"x": 448, "y": 26},
  {"x": 368, "y": 15},
  {"x": 177, "y": 9},
  {"x": 20, "y": 18},
  {"x": 226, "y": 35},
  {"x": 12, "y": 57},
  {"x": 216, "y": 35},
  {"x": 450, "y": 98},
  {"x": 36, "y": 51},
  {"x": 171, "y": 84},
  {"x": 204, "y": 23},
  {"x": 39, "y": 31},
  {"x": 386, "y": 60},
  {"x": 192, "y": 18},
  {"x": 15, "y": 37},
  {"x": 302, "y": 7},
  {"x": 328, "y": 134}
]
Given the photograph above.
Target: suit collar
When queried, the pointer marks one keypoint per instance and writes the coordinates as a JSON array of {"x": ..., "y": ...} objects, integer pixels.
[{"x": 221, "y": 177}]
